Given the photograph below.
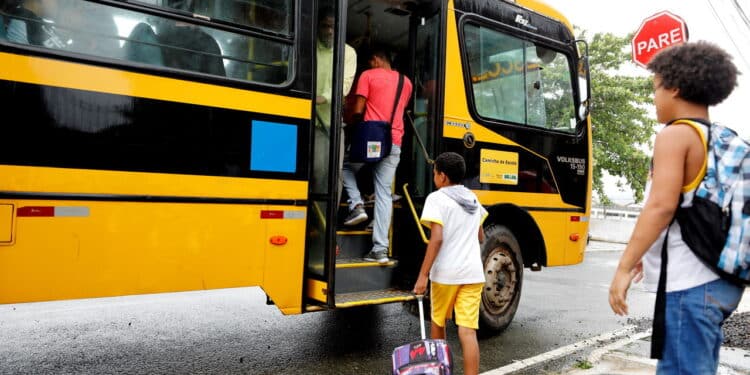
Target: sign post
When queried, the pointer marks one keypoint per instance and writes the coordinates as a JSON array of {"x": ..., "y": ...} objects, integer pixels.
[{"x": 657, "y": 32}]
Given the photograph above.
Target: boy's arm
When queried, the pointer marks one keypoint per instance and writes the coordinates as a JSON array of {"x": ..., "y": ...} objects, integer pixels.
[
  {"x": 670, "y": 150},
  {"x": 485, "y": 214},
  {"x": 436, "y": 239}
]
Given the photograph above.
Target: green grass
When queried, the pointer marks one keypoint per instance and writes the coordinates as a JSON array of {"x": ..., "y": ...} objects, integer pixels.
[{"x": 583, "y": 364}]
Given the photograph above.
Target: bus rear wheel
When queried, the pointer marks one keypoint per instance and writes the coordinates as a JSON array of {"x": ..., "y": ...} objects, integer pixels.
[{"x": 503, "y": 271}]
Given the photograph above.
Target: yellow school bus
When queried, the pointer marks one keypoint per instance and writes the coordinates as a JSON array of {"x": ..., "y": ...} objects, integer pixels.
[{"x": 157, "y": 146}]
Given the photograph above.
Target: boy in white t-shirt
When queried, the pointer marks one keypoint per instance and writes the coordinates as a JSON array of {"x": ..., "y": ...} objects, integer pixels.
[{"x": 453, "y": 260}]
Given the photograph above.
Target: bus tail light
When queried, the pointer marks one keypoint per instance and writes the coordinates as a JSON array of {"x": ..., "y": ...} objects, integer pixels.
[
  {"x": 575, "y": 237},
  {"x": 279, "y": 240},
  {"x": 53, "y": 211},
  {"x": 271, "y": 214}
]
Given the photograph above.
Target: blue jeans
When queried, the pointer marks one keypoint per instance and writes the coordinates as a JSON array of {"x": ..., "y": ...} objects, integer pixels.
[
  {"x": 693, "y": 327},
  {"x": 383, "y": 173}
]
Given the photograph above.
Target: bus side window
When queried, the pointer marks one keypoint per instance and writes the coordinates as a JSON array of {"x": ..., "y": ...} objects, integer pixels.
[
  {"x": 143, "y": 46},
  {"x": 119, "y": 33}
]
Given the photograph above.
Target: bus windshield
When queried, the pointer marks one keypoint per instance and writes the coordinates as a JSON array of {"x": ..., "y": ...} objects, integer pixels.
[{"x": 518, "y": 81}]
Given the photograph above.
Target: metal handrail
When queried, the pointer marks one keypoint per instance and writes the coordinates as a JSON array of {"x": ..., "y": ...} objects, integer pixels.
[
  {"x": 419, "y": 139},
  {"x": 414, "y": 213}
]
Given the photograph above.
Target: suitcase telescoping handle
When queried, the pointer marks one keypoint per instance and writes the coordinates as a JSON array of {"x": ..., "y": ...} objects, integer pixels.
[{"x": 420, "y": 297}]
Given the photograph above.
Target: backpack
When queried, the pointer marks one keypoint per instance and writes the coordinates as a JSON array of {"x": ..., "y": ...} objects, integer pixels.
[{"x": 717, "y": 225}]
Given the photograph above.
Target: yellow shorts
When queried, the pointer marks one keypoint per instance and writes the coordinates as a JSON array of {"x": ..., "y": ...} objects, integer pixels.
[{"x": 463, "y": 299}]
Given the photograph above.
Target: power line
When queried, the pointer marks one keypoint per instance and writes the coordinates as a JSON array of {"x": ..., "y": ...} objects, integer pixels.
[
  {"x": 737, "y": 24},
  {"x": 741, "y": 12},
  {"x": 729, "y": 35}
]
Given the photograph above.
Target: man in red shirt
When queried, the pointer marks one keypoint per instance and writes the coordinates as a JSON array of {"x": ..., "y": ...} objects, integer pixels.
[{"x": 376, "y": 91}]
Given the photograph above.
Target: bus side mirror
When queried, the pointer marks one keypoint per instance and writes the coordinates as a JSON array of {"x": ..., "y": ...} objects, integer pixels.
[{"x": 584, "y": 79}]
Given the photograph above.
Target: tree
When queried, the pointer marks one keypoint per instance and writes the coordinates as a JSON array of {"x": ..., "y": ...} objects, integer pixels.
[{"x": 622, "y": 125}]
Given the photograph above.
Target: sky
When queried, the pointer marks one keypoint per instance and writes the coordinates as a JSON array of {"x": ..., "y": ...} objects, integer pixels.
[{"x": 717, "y": 21}]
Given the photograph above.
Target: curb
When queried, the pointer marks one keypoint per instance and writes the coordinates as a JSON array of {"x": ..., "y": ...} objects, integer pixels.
[
  {"x": 633, "y": 359},
  {"x": 631, "y": 356}
]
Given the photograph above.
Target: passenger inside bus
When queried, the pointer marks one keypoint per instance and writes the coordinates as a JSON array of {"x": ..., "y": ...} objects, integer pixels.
[
  {"x": 32, "y": 22},
  {"x": 143, "y": 46},
  {"x": 324, "y": 83},
  {"x": 175, "y": 44},
  {"x": 378, "y": 99},
  {"x": 186, "y": 46}
]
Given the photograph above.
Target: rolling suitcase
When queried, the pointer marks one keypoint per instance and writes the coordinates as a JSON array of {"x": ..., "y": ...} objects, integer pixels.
[{"x": 426, "y": 356}]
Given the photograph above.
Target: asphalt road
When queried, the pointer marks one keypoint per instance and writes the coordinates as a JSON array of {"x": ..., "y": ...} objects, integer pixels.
[{"x": 232, "y": 331}]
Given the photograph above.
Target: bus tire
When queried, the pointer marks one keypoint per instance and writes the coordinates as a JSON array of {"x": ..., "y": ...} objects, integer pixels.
[{"x": 503, "y": 270}]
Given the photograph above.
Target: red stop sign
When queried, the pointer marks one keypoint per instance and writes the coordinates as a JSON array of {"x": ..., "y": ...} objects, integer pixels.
[{"x": 657, "y": 32}]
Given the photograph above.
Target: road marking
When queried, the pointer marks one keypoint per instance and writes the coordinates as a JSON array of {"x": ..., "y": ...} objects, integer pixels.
[
  {"x": 744, "y": 302},
  {"x": 560, "y": 352},
  {"x": 597, "y": 354}
]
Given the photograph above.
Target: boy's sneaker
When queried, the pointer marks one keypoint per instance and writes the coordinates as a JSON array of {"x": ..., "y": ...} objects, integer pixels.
[
  {"x": 356, "y": 216},
  {"x": 377, "y": 256}
]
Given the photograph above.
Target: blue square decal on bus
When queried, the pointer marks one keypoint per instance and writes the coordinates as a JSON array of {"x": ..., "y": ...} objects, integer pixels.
[{"x": 273, "y": 147}]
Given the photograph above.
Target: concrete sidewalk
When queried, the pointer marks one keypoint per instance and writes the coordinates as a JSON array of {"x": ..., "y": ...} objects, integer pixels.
[{"x": 630, "y": 356}]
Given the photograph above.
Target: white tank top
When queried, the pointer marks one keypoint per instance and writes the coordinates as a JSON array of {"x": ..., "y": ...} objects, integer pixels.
[{"x": 684, "y": 269}]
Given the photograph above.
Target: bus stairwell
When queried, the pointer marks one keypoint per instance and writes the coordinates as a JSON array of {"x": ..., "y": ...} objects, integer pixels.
[{"x": 358, "y": 281}]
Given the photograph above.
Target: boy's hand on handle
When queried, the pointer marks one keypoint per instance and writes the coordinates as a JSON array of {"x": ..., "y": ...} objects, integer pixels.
[
  {"x": 421, "y": 285},
  {"x": 618, "y": 290}
]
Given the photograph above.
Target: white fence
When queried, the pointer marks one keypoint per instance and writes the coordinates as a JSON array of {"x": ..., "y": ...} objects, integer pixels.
[
  {"x": 612, "y": 224},
  {"x": 614, "y": 213}
]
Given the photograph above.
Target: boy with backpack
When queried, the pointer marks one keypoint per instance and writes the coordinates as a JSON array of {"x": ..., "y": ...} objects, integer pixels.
[
  {"x": 694, "y": 294},
  {"x": 453, "y": 260}
]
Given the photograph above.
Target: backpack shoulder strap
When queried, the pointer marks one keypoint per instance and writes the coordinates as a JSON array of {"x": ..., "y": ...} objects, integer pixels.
[
  {"x": 706, "y": 139},
  {"x": 697, "y": 126},
  {"x": 659, "y": 326}
]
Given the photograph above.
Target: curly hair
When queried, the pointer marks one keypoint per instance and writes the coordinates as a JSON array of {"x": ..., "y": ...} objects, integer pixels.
[
  {"x": 702, "y": 72},
  {"x": 452, "y": 164}
]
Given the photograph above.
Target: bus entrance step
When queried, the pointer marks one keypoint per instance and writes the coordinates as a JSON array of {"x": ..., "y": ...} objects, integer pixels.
[
  {"x": 353, "y": 243},
  {"x": 375, "y": 297},
  {"x": 359, "y": 275}
]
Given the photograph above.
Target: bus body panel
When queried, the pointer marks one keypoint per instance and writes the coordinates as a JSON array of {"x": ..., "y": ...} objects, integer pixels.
[
  {"x": 77, "y": 230},
  {"x": 561, "y": 214},
  {"x": 46, "y": 71},
  {"x": 66, "y": 249}
]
